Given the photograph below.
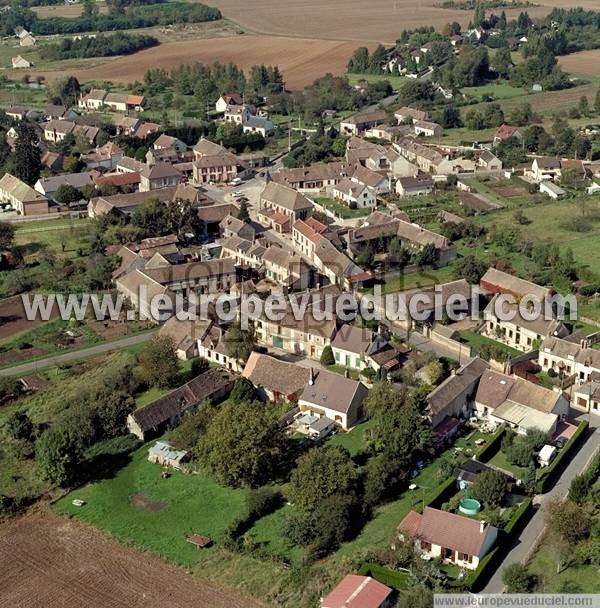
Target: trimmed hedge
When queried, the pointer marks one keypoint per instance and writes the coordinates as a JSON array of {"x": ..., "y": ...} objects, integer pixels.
[
  {"x": 476, "y": 580},
  {"x": 392, "y": 578},
  {"x": 550, "y": 473},
  {"x": 488, "y": 451},
  {"x": 438, "y": 495}
]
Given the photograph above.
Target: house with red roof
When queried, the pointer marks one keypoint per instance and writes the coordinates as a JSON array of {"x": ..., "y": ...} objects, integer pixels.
[
  {"x": 453, "y": 538},
  {"x": 505, "y": 132},
  {"x": 358, "y": 592}
]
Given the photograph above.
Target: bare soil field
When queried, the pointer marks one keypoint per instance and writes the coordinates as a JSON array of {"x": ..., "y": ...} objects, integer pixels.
[
  {"x": 300, "y": 60},
  {"x": 64, "y": 10},
  {"x": 54, "y": 562},
  {"x": 13, "y": 320},
  {"x": 377, "y": 20},
  {"x": 584, "y": 62}
]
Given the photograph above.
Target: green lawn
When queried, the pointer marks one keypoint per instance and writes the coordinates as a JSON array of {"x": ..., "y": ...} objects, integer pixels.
[
  {"x": 412, "y": 280},
  {"x": 183, "y": 504},
  {"x": 342, "y": 210},
  {"x": 476, "y": 341},
  {"x": 65, "y": 238},
  {"x": 395, "y": 81},
  {"x": 575, "y": 579},
  {"x": 354, "y": 440},
  {"x": 498, "y": 90},
  {"x": 500, "y": 461}
]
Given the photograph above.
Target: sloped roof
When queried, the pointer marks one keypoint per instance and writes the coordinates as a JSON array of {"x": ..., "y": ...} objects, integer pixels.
[
  {"x": 356, "y": 591},
  {"x": 274, "y": 375},
  {"x": 176, "y": 402},
  {"x": 449, "y": 530},
  {"x": 334, "y": 392},
  {"x": 285, "y": 197}
]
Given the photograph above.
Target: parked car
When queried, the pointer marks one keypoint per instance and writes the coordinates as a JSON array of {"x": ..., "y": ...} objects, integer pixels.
[
  {"x": 235, "y": 182},
  {"x": 559, "y": 442}
]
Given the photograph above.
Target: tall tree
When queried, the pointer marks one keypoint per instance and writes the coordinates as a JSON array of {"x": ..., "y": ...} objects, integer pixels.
[
  {"x": 158, "y": 362},
  {"x": 28, "y": 163}
]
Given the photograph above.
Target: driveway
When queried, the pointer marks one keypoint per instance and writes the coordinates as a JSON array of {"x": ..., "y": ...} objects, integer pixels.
[
  {"x": 75, "y": 355},
  {"x": 523, "y": 547}
]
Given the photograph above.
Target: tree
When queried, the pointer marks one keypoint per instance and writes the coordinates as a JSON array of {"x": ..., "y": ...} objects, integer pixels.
[
  {"x": 474, "y": 120},
  {"x": 415, "y": 597},
  {"x": 67, "y": 194},
  {"x": 327, "y": 357},
  {"x": 158, "y": 362},
  {"x": 58, "y": 452},
  {"x": 240, "y": 342},
  {"x": 243, "y": 444},
  {"x": 583, "y": 106},
  {"x": 243, "y": 391},
  {"x": 320, "y": 474},
  {"x": 567, "y": 521},
  {"x": 490, "y": 487},
  {"x": 7, "y": 235},
  {"x": 243, "y": 213},
  {"x": 198, "y": 366},
  {"x": 597, "y": 102},
  {"x": 470, "y": 268},
  {"x": 517, "y": 579},
  {"x": 18, "y": 425},
  {"x": 28, "y": 164},
  {"x": 479, "y": 14},
  {"x": 579, "y": 488},
  {"x": 381, "y": 398}
]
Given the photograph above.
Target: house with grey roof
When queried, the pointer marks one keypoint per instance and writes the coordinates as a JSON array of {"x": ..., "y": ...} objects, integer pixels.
[{"x": 334, "y": 396}]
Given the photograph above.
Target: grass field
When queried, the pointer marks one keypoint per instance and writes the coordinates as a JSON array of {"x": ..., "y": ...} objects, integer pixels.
[
  {"x": 500, "y": 90},
  {"x": 179, "y": 505},
  {"x": 341, "y": 209},
  {"x": 63, "y": 237},
  {"x": 412, "y": 280},
  {"x": 395, "y": 81}
]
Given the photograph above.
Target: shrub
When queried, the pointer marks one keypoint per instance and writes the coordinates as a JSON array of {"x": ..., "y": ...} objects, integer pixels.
[{"x": 327, "y": 357}]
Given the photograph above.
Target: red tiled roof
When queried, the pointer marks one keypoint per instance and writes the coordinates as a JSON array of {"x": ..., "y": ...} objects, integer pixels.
[{"x": 357, "y": 592}]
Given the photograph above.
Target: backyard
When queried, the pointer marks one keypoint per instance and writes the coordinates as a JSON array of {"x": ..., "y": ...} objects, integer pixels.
[{"x": 140, "y": 508}]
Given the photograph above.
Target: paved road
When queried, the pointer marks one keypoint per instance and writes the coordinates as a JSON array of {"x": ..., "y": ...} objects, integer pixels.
[
  {"x": 75, "y": 355},
  {"x": 524, "y": 545}
]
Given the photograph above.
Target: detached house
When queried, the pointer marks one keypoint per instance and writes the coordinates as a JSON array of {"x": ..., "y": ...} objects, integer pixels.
[
  {"x": 505, "y": 132},
  {"x": 415, "y": 186},
  {"x": 359, "y": 123},
  {"x": 544, "y": 167},
  {"x": 453, "y": 538},
  {"x": 333, "y": 396},
  {"x": 228, "y": 99},
  {"x": 354, "y": 194},
  {"x": 358, "y": 592}
]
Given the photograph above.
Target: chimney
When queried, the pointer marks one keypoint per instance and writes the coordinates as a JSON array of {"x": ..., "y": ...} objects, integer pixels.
[
  {"x": 311, "y": 377},
  {"x": 482, "y": 525}
]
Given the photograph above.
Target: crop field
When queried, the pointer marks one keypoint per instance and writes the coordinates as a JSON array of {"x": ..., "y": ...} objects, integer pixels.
[
  {"x": 65, "y": 10},
  {"x": 300, "y": 60},
  {"x": 584, "y": 62},
  {"x": 55, "y": 562},
  {"x": 378, "y": 20}
]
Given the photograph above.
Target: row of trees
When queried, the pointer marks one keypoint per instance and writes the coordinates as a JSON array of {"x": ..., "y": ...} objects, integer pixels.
[
  {"x": 99, "y": 46},
  {"x": 130, "y": 17}
]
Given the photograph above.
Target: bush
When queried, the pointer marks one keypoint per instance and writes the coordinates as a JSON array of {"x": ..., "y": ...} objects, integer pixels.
[
  {"x": 327, "y": 357},
  {"x": 198, "y": 366}
]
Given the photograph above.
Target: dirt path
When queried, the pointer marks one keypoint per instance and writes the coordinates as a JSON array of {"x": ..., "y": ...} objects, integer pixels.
[{"x": 53, "y": 562}]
